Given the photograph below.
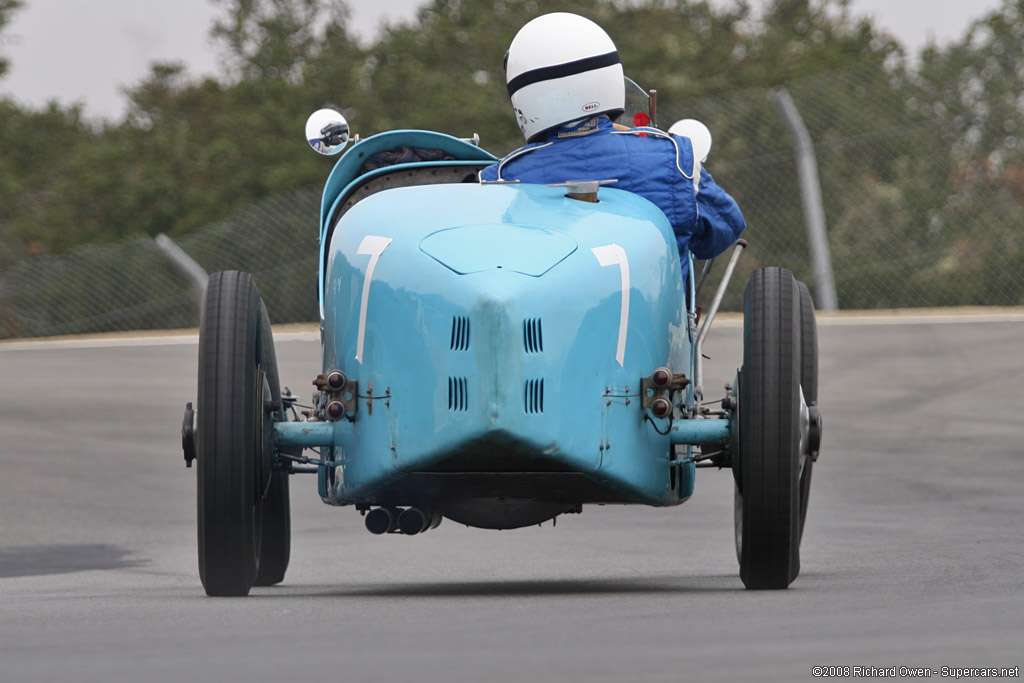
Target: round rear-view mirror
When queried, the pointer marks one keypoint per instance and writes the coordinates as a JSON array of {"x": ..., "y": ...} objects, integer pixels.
[
  {"x": 327, "y": 131},
  {"x": 698, "y": 133}
]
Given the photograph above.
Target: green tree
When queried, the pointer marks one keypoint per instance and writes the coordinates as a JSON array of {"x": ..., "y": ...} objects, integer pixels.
[
  {"x": 275, "y": 39},
  {"x": 919, "y": 164},
  {"x": 37, "y": 149},
  {"x": 205, "y": 149},
  {"x": 974, "y": 90},
  {"x": 10, "y": 246},
  {"x": 976, "y": 85},
  {"x": 7, "y": 8}
]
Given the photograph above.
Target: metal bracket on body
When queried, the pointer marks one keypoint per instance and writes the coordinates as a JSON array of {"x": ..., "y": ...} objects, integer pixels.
[
  {"x": 651, "y": 388},
  {"x": 338, "y": 395}
]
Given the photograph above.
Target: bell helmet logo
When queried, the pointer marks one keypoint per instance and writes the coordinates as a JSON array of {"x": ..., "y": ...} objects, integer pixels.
[{"x": 591, "y": 106}]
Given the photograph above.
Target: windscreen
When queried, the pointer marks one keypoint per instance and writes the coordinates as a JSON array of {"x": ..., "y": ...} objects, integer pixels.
[{"x": 638, "y": 106}]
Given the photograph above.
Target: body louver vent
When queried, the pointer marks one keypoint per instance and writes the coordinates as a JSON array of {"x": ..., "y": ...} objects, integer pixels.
[
  {"x": 458, "y": 394},
  {"x": 460, "y": 333},
  {"x": 533, "y": 338},
  {"x": 533, "y": 398}
]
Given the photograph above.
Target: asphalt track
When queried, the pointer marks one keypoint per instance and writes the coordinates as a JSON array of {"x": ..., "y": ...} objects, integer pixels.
[{"x": 912, "y": 556}]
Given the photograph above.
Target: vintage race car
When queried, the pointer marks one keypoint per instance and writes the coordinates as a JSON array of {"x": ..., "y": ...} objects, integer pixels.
[{"x": 498, "y": 354}]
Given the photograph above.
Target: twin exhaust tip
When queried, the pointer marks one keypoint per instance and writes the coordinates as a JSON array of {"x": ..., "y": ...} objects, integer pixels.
[{"x": 409, "y": 521}]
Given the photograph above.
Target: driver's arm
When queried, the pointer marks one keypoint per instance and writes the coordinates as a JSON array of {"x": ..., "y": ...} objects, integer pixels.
[{"x": 719, "y": 219}]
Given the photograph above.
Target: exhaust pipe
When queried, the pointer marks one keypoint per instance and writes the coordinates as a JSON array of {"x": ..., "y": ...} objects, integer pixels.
[
  {"x": 382, "y": 520},
  {"x": 414, "y": 521}
]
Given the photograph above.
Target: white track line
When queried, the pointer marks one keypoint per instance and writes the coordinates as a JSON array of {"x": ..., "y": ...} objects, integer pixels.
[
  {"x": 844, "y": 318},
  {"x": 128, "y": 339},
  {"x": 311, "y": 333}
]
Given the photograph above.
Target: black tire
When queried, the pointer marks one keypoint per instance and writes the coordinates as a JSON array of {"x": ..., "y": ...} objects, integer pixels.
[
  {"x": 809, "y": 385},
  {"x": 808, "y": 346},
  {"x": 230, "y": 426},
  {"x": 767, "y": 491},
  {"x": 275, "y": 539},
  {"x": 275, "y": 542}
]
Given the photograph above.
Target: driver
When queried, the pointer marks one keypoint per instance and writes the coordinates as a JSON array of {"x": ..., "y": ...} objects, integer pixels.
[{"x": 566, "y": 83}]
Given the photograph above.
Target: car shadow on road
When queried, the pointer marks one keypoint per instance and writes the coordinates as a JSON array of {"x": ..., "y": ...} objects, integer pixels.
[
  {"x": 525, "y": 588},
  {"x": 41, "y": 560}
]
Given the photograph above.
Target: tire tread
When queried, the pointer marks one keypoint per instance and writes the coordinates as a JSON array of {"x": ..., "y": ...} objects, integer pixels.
[{"x": 769, "y": 546}]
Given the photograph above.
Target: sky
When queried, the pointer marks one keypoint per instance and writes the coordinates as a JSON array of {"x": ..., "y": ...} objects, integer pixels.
[{"x": 89, "y": 51}]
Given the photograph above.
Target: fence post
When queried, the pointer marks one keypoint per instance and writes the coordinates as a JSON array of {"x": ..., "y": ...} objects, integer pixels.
[
  {"x": 810, "y": 194},
  {"x": 186, "y": 264}
]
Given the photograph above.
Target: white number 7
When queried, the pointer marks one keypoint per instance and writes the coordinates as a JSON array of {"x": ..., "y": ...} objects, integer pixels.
[
  {"x": 610, "y": 255},
  {"x": 372, "y": 246}
]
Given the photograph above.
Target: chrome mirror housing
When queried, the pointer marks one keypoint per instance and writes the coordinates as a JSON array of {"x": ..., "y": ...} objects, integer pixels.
[
  {"x": 698, "y": 133},
  {"x": 327, "y": 131}
]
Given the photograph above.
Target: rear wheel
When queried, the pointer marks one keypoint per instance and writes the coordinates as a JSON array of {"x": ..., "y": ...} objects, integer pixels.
[
  {"x": 231, "y": 432},
  {"x": 808, "y": 384},
  {"x": 275, "y": 539},
  {"x": 767, "y": 485}
]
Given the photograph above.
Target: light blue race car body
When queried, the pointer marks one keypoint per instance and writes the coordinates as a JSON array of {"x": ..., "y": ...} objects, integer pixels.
[
  {"x": 497, "y": 336},
  {"x": 498, "y": 354}
]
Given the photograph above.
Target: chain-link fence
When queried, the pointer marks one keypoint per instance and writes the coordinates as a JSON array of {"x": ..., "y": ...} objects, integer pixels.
[
  {"x": 913, "y": 220},
  {"x": 133, "y": 285}
]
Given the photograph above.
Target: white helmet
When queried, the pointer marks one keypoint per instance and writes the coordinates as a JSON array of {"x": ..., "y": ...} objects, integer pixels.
[{"x": 561, "y": 68}]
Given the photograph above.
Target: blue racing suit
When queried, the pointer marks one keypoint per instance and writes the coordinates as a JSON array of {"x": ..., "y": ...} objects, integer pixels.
[{"x": 655, "y": 165}]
